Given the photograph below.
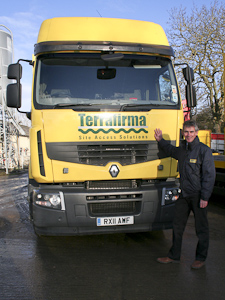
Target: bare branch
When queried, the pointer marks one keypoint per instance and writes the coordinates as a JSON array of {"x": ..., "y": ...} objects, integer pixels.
[{"x": 198, "y": 39}]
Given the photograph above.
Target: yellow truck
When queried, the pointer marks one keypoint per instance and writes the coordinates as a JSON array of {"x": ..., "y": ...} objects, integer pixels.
[{"x": 100, "y": 88}]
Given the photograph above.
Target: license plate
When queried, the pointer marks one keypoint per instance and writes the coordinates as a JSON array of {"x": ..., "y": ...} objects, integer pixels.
[{"x": 115, "y": 221}]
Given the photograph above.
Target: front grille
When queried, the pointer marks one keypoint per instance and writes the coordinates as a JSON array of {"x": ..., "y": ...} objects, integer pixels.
[
  {"x": 125, "y": 154},
  {"x": 113, "y": 197},
  {"x": 114, "y": 208},
  {"x": 111, "y": 184},
  {"x": 100, "y": 154}
]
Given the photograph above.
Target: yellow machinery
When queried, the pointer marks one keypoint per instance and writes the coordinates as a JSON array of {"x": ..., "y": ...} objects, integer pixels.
[
  {"x": 219, "y": 160},
  {"x": 100, "y": 88},
  {"x": 205, "y": 137}
]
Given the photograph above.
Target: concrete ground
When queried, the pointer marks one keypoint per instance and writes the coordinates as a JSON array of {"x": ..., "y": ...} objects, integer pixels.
[{"x": 112, "y": 267}]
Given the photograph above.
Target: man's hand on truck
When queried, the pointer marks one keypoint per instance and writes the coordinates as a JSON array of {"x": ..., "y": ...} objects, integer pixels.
[{"x": 158, "y": 134}]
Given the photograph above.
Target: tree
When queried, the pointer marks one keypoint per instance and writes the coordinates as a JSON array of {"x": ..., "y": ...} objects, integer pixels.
[
  {"x": 199, "y": 40},
  {"x": 203, "y": 119}
]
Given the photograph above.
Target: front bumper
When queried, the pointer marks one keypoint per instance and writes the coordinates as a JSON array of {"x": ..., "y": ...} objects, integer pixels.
[{"x": 82, "y": 208}]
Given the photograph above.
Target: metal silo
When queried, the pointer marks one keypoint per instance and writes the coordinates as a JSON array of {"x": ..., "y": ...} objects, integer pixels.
[
  {"x": 6, "y": 58},
  {"x": 9, "y": 127}
]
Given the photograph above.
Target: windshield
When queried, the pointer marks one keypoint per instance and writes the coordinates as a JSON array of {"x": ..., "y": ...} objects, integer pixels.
[{"x": 87, "y": 79}]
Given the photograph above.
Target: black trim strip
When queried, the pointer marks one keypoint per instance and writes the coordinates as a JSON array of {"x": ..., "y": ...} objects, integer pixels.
[
  {"x": 99, "y": 46},
  {"x": 40, "y": 154}
]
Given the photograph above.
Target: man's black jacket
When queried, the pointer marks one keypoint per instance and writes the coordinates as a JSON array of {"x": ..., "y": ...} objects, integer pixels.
[{"x": 196, "y": 167}]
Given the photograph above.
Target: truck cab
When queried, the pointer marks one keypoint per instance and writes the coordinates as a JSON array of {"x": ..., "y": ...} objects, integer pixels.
[{"x": 100, "y": 88}]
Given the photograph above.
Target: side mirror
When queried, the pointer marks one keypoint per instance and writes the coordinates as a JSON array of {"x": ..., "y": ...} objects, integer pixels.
[
  {"x": 15, "y": 72},
  {"x": 190, "y": 95},
  {"x": 13, "y": 94},
  {"x": 190, "y": 90},
  {"x": 188, "y": 74}
]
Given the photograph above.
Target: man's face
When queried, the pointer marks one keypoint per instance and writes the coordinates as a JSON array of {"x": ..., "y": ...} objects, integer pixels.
[{"x": 190, "y": 133}]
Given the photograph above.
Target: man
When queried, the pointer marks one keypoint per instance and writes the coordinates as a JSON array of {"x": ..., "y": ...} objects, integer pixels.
[{"x": 197, "y": 176}]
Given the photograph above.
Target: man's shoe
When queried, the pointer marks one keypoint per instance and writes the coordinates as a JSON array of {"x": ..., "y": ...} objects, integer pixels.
[
  {"x": 197, "y": 264},
  {"x": 166, "y": 260}
]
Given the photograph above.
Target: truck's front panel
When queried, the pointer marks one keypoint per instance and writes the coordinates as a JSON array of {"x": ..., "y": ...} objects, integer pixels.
[
  {"x": 95, "y": 165},
  {"x": 104, "y": 208}
]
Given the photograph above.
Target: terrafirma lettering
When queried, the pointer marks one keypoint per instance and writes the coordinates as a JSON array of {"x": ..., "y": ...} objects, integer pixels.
[{"x": 113, "y": 120}]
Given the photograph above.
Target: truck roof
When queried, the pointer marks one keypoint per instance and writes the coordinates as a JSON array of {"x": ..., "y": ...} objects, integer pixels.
[
  {"x": 105, "y": 31},
  {"x": 101, "y": 29}
]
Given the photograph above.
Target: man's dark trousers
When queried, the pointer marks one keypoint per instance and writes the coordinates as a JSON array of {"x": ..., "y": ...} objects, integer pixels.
[{"x": 183, "y": 207}]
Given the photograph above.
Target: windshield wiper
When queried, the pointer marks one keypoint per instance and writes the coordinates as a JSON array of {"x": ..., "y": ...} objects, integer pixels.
[
  {"x": 63, "y": 105},
  {"x": 137, "y": 105}
]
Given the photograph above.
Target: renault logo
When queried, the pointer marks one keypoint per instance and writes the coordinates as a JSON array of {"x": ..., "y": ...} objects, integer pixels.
[{"x": 114, "y": 170}]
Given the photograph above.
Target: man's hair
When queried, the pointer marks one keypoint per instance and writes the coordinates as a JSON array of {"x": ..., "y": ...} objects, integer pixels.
[{"x": 190, "y": 123}]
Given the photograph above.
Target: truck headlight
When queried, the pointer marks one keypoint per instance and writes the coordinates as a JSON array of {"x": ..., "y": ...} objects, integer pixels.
[
  {"x": 55, "y": 200},
  {"x": 51, "y": 200},
  {"x": 170, "y": 195}
]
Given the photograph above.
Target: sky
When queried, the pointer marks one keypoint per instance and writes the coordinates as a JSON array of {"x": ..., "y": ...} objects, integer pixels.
[{"x": 24, "y": 18}]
